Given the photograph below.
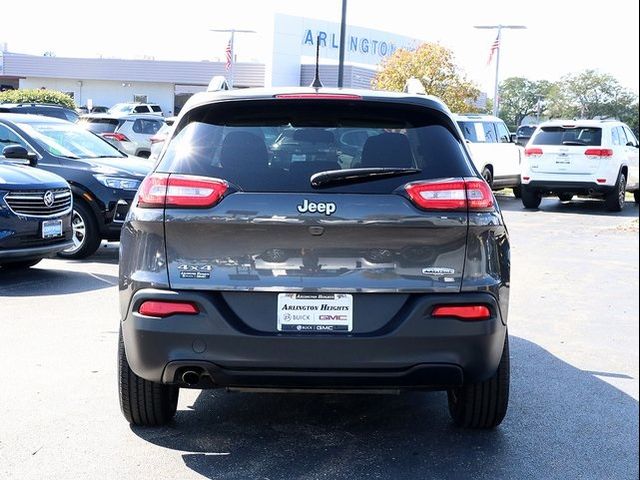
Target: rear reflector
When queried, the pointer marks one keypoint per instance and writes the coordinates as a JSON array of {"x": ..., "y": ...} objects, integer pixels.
[
  {"x": 116, "y": 136},
  {"x": 156, "y": 139},
  {"x": 599, "y": 152},
  {"x": 602, "y": 180},
  {"x": 463, "y": 312},
  {"x": 451, "y": 194},
  {"x": 319, "y": 96},
  {"x": 158, "y": 308},
  {"x": 532, "y": 151},
  {"x": 180, "y": 191}
]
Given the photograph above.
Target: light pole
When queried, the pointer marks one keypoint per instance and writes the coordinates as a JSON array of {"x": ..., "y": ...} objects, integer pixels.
[
  {"x": 343, "y": 28},
  {"x": 232, "y": 31},
  {"x": 496, "y": 45}
]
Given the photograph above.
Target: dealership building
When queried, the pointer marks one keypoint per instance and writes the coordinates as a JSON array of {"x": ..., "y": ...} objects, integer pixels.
[{"x": 290, "y": 46}]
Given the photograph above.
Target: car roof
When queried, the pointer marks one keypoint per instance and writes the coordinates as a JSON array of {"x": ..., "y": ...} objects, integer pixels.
[
  {"x": 122, "y": 116},
  {"x": 203, "y": 98},
  {"x": 32, "y": 104},
  {"x": 476, "y": 116},
  {"x": 29, "y": 118},
  {"x": 580, "y": 123}
]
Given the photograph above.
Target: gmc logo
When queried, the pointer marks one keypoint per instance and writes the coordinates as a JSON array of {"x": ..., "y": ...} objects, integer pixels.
[{"x": 333, "y": 317}]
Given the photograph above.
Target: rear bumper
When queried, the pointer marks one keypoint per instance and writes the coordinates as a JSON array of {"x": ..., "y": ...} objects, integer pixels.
[
  {"x": 418, "y": 352},
  {"x": 578, "y": 188}
]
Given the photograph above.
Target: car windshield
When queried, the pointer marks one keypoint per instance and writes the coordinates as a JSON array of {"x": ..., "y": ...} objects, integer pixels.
[
  {"x": 278, "y": 146},
  {"x": 120, "y": 108},
  {"x": 526, "y": 131},
  {"x": 588, "y": 136},
  {"x": 69, "y": 140}
]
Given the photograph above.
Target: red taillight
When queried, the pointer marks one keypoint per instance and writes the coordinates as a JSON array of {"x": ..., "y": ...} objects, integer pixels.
[
  {"x": 529, "y": 152},
  {"x": 180, "y": 191},
  {"x": 116, "y": 136},
  {"x": 463, "y": 312},
  {"x": 599, "y": 152},
  {"x": 160, "y": 308},
  {"x": 319, "y": 96},
  {"x": 157, "y": 139},
  {"x": 451, "y": 194}
]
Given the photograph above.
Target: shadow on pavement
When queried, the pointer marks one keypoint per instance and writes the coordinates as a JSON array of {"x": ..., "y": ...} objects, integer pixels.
[
  {"x": 47, "y": 281},
  {"x": 576, "y": 206},
  {"x": 562, "y": 423}
]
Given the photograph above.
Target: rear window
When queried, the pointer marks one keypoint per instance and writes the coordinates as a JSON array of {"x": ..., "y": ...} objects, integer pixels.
[
  {"x": 100, "y": 125},
  {"x": 156, "y": 108},
  {"x": 479, "y": 132},
  {"x": 579, "y": 136},
  {"x": 277, "y": 145},
  {"x": 525, "y": 131}
]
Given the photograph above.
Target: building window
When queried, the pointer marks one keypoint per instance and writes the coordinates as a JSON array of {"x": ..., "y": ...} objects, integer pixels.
[
  {"x": 137, "y": 98},
  {"x": 71, "y": 94}
]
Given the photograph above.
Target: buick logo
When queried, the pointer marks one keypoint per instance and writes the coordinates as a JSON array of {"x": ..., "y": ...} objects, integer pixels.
[{"x": 48, "y": 198}]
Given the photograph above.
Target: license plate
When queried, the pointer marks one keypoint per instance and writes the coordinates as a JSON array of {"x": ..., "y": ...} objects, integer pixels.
[
  {"x": 315, "y": 312},
  {"x": 51, "y": 228}
]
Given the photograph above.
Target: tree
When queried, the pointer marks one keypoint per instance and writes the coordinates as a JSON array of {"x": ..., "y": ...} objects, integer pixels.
[
  {"x": 435, "y": 67},
  {"x": 520, "y": 97},
  {"x": 37, "y": 96},
  {"x": 591, "y": 94}
]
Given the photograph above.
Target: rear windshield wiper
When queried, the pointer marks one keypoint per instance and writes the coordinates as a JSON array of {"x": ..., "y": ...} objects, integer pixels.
[
  {"x": 574, "y": 142},
  {"x": 355, "y": 175}
]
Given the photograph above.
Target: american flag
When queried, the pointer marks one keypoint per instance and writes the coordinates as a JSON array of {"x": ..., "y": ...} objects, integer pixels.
[
  {"x": 227, "y": 52},
  {"x": 494, "y": 47}
]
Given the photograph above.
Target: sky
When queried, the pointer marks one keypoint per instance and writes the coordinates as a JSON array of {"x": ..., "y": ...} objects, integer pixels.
[{"x": 562, "y": 36}]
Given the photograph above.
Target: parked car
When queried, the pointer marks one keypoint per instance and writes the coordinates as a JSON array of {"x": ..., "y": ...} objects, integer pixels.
[
  {"x": 103, "y": 180},
  {"x": 243, "y": 274},
  {"x": 494, "y": 153},
  {"x": 592, "y": 158},
  {"x": 95, "y": 109},
  {"x": 35, "y": 209},
  {"x": 523, "y": 134},
  {"x": 158, "y": 140},
  {"x": 48, "y": 110},
  {"x": 125, "y": 108},
  {"x": 130, "y": 133}
]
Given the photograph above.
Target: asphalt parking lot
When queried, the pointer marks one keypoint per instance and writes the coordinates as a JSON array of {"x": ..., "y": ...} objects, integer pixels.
[{"x": 574, "y": 393}]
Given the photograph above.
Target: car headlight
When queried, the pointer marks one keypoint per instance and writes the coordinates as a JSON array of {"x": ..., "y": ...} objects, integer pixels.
[{"x": 118, "y": 183}]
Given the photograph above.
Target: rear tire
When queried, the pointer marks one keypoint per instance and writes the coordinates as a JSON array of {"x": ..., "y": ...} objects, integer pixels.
[
  {"x": 483, "y": 404},
  {"x": 531, "y": 198},
  {"x": 636, "y": 196},
  {"x": 615, "y": 199},
  {"x": 21, "y": 265},
  {"x": 517, "y": 192},
  {"x": 143, "y": 402},
  {"x": 487, "y": 174},
  {"x": 86, "y": 238},
  {"x": 565, "y": 197}
]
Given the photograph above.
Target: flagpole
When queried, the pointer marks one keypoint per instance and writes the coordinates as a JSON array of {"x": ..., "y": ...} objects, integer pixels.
[
  {"x": 496, "y": 97},
  {"x": 232, "y": 31},
  {"x": 496, "y": 92}
]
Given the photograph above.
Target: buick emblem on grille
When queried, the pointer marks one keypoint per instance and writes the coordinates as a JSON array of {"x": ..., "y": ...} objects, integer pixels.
[{"x": 48, "y": 198}]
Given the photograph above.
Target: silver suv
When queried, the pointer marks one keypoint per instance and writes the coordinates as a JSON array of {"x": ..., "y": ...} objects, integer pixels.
[
  {"x": 128, "y": 133},
  {"x": 123, "y": 108}
]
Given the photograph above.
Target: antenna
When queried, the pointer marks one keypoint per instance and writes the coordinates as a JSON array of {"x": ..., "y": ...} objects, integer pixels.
[{"x": 316, "y": 80}]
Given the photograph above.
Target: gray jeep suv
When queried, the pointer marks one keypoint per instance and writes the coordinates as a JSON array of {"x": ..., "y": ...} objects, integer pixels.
[{"x": 380, "y": 268}]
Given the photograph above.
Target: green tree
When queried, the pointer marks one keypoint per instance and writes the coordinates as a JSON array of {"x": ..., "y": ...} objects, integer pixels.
[
  {"x": 435, "y": 67},
  {"x": 37, "y": 96},
  {"x": 590, "y": 94},
  {"x": 520, "y": 97}
]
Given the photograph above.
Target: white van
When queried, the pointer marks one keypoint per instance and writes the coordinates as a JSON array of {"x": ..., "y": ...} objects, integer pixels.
[{"x": 493, "y": 149}]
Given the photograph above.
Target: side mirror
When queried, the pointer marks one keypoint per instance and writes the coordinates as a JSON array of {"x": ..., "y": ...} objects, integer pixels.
[
  {"x": 513, "y": 138},
  {"x": 18, "y": 152}
]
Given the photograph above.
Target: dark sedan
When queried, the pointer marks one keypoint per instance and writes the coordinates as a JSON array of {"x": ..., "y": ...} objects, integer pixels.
[
  {"x": 103, "y": 180},
  {"x": 35, "y": 211}
]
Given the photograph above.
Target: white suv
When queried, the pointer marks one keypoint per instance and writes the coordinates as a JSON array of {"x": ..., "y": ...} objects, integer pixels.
[
  {"x": 124, "y": 108},
  {"x": 493, "y": 150},
  {"x": 594, "y": 158}
]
